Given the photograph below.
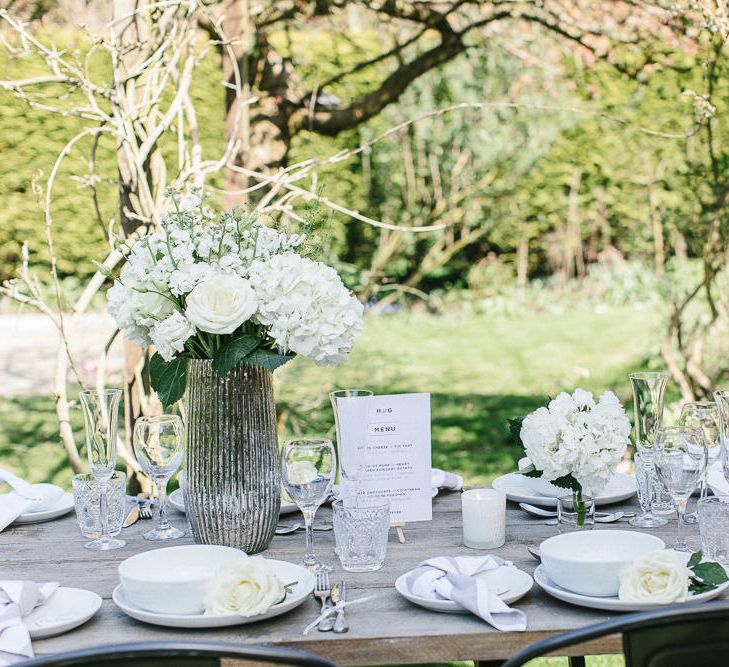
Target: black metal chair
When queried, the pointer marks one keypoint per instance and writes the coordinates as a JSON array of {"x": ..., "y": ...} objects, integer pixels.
[
  {"x": 691, "y": 635},
  {"x": 178, "y": 654}
]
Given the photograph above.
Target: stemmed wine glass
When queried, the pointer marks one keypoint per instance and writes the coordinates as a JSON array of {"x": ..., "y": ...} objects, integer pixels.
[
  {"x": 648, "y": 389},
  {"x": 158, "y": 447},
  {"x": 704, "y": 417},
  {"x": 309, "y": 466},
  {"x": 680, "y": 460},
  {"x": 722, "y": 404},
  {"x": 101, "y": 415}
]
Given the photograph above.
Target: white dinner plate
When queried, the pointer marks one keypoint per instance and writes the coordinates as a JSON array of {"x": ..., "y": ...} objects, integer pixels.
[
  {"x": 63, "y": 506},
  {"x": 65, "y": 610},
  {"x": 176, "y": 499},
  {"x": 509, "y": 583},
  {"x": 619, "y": 488},
  {"x": 610, "y": 603},
  {"x": 287, "y": 572}
]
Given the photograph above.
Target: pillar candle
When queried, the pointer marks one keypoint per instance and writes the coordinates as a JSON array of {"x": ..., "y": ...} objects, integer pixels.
[{"x": 484, "y": 518}]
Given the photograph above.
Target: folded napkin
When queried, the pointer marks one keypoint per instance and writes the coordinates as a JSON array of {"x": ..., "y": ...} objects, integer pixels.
[
  {"x": 445, "y": 480},
  {"x": 18, "y": 599},
  {"x": 25, "y": 497},
  {"x": 454, "y": 578}
]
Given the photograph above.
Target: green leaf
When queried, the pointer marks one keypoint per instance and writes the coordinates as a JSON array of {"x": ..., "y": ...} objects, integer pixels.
[
  {"x": 567, "y": 482},
  {"x": 268, "y": 359},
  {"x": 694, "y": 560},
  {"x": 233, "y": 351},
  {"x": 710, "y": 573},
  {"x": 515, "y": 429},
  {"x": 168, "y": 378}
]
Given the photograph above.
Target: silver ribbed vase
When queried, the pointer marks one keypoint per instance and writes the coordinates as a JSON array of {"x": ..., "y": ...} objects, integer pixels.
[{"x": 232, "y": 475}]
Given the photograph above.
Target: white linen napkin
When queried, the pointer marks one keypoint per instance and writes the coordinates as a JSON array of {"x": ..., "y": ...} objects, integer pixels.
[
  {"x": 18, "y": 599},
  {"x": 453, "y": 578},
  {"x": 440, "y": 479},
  {"x": 25, "y": 497}
]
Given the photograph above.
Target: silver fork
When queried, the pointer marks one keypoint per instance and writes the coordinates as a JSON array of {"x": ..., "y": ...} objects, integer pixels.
[
  {"x": 340, "y": 624},
  {"x": 322, "y": 591},
  {"x": 145, "y": 510}
]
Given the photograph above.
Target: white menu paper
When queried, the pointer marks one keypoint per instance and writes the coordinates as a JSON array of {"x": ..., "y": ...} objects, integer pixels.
[{"x": 386, "y": 439}]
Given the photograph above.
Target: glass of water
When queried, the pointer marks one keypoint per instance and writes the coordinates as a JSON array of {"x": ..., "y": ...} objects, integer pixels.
[
  {"x": 87, "y": 501},
  {"x": 158, "y": 447},
  {"x": 714, "y": 528},
  {"x": 361, "y": 533},
  {"x": 309, "y": 466}
]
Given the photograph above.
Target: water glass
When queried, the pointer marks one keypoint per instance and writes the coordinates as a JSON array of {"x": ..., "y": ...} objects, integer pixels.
[
  {"x": 87, "y": 499},
  {"x": 361, "y": 533},
  {"x": 575, "y": 513},
  {"x": 158, "y": 448},
  {"x": 309, "y": 466},
  {"x": 652, "y": 495},
  {"x": 680, "y": 460},
  {"x": 101, "y": 416},
  {"x": 714, "y": 528}
]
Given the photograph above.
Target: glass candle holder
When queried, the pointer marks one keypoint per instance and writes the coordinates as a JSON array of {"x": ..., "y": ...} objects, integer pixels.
[
  {"x": 87, "y": 500},
  {"x": 484, "y": 518}
]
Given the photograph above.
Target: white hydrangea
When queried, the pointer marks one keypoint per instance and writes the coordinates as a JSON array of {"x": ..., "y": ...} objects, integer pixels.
[
  {"x": 306, "y": 306},
  {"x": 196, "y": 274},
  {"x": 169, "y": 335},
  {"x": 576, "y": 436}
]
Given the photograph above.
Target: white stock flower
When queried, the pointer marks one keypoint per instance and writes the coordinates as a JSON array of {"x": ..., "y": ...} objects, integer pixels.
[
  {"x": 221, "y": 304},
  {"x": 301, "y": 472},
  {"x": 660, "y": 577},
  {"x": 307, "y": 308},
  {"x": 244, "y": 586},
  {"x": 151, "y": 304},
  {"x": 170, "y": 334}
]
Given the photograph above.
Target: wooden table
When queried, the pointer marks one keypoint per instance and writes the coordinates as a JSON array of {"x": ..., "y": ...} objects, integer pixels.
[{"x": 384, "y": 630}]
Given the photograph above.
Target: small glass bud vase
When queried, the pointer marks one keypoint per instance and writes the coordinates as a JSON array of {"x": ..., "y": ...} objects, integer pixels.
[{"x": 575, "y": 511}]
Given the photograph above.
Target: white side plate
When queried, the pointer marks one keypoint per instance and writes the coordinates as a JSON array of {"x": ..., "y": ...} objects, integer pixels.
[
  {"x": 63, "y": 506},
  {"x": 619, "y": 488},
  {"x": 65, "y": 610},
  {"x": 287, "y": 572},
  {"x": 509, "y": 583},
  {"x": 611, "y": 603}
]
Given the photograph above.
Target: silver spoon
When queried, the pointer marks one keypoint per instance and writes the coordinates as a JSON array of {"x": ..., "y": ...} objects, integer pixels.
[
  {"x": 286, "y": 528},
  {"x": 540, "y": 511},
  {"x": 607, "y": 518},
  {"x": 535, "y": 553}
]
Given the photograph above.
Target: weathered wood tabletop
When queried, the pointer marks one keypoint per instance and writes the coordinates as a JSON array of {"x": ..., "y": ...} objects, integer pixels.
[{"x": 384, "y": 630}]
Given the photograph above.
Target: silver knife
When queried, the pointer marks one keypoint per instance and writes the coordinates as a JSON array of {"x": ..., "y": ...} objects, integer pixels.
[
  {"x": 132, "y": 517},
  {"x": 340, "y": 624}
]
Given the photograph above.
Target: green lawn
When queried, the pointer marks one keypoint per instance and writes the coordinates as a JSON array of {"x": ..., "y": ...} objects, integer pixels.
[{"x": 480, "y": 370}]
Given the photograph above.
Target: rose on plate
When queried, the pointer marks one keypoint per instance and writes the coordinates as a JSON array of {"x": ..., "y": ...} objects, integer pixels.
[
  {"x": 245, "y": 586},
  {"x": 301, "y": 472},
  {"x": 664, "y": 577}
]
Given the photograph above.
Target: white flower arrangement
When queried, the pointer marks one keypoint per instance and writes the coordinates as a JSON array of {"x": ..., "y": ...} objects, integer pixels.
[
  {"x": 228, "y": 288},
  {"x": 574, "y": 442}
]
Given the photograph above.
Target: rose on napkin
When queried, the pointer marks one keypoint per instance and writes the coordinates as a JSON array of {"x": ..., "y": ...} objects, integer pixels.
[
  {"x": 660, "y": 576},
  {"x": 245, "y": 586},
  {"x": 301, "y": 472}
]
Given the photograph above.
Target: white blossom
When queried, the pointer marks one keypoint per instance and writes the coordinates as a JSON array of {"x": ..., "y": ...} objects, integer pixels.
[{"x": 169, "y": 336}]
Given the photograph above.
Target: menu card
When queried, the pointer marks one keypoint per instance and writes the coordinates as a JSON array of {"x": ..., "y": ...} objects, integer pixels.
[{"x": 384, "y": 444}]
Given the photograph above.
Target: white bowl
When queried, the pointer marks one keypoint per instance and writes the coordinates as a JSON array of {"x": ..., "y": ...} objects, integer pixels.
[
  {"x": 172, "y": 580},
  {"x": 588, "y": 562}
]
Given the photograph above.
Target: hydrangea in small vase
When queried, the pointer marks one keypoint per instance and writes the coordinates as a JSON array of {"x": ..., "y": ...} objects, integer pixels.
[
  {"x": 575, "y": 443},
  {"x": 226, "y": 300}
]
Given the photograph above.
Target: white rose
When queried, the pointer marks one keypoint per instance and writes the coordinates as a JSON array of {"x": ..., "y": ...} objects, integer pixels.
[
  {"x": 301, "y": 472},
  {"x": 221, "y": 304},
  {"x": 151, "y": 304},
  {"x": 244, "y": 586},
  {"x": 169, "y": 335},
  {"x": 660, "y": 577}
]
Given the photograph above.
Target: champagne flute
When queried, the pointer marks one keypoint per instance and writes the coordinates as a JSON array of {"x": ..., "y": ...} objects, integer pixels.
[
  {"x": 648, "y": 390},
  {"x": 680, "y": 460},
  {"x": 101, "y": 415},
  {"x": 158, "y": 447},
  {"x": 704, "y": 417},
  {"x": 352, "y": 451},
  {"x": 309, "y": 466}
]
